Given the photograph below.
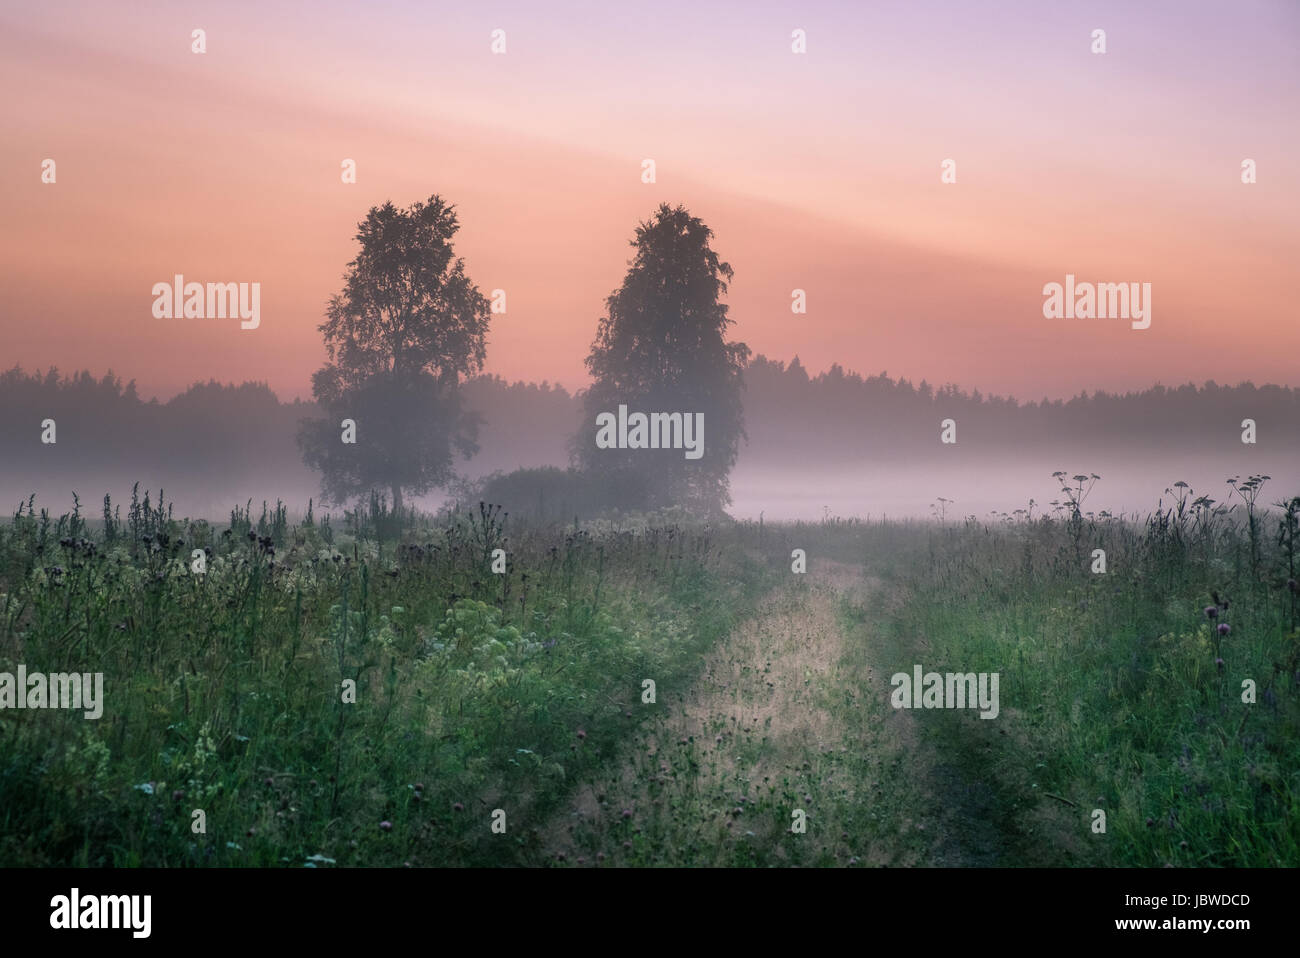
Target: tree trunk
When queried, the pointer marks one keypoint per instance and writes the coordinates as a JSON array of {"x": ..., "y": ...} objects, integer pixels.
[{"x": 397, "y": 498}]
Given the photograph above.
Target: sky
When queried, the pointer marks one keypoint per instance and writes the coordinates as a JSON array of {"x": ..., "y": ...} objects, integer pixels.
[{"x": 817, "y": 171}]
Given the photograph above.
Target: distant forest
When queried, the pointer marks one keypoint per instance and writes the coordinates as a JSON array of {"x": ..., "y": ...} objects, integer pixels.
[{"x": 214, "y": 444}]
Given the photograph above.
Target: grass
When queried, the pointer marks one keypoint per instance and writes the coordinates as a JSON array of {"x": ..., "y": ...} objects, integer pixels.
[
  {"x": 1118, "y": 691},
  {"x": 373, "y": 695},
  {"x": 225, "y": 690}
]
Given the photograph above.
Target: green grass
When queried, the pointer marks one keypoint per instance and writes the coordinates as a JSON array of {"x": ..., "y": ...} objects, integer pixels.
[
  {"x": 523, "y": 692},
  {"x": 224, "y": 691},
  {"x": 1110, "y": 692}
]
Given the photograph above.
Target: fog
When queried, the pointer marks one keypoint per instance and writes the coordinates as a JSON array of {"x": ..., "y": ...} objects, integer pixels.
[
  {"x": 1131, "y": 487},
  {"x": 832, "y": 444}
]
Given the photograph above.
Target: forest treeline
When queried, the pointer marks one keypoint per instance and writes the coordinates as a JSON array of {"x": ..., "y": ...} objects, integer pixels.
[{"x": 212, "y": 441}]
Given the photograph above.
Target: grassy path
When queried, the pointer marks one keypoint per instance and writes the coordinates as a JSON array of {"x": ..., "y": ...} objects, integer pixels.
[{"x": 790, "y": 713}]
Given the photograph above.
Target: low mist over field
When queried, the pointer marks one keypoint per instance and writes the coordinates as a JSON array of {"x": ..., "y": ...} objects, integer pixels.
[{"x": 833, "y": 443}]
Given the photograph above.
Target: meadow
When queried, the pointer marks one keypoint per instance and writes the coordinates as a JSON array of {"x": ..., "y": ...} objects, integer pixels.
[{"x": 363, "y": 689}]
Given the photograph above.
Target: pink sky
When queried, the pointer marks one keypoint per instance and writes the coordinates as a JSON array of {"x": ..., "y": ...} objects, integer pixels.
[{"x": 818, "y": 171}]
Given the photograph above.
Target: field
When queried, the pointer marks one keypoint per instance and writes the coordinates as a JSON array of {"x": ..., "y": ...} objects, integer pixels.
[{"x": 366, "y": 691}]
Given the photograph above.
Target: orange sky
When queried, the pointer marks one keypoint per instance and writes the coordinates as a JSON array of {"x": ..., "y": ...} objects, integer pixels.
[{"x": 818, "y": 171}]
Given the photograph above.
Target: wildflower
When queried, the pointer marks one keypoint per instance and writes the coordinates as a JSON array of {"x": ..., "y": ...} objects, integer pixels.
[
  {"x": 458, "y": 807},
  {"x": 386, "y": 826},
  {"x": 1211, "y": 611},
  {"x": 1224, "y": 628},
  {"x": 581, "y": 734},
  {"x": 627, "y": 813},
  {"x": 1219, "y": 663}
]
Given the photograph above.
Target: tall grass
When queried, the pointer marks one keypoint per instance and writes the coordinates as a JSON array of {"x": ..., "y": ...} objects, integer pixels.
[
  {"x": 229, "y": 691},
  {"x": 225, "y": 690},
  {"x": 1124, "y": 691}
]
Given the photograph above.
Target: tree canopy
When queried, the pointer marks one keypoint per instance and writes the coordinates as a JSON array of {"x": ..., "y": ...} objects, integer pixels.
[
  {"x": 662, "y": 347},
  {"x": 408, "y": 326}
]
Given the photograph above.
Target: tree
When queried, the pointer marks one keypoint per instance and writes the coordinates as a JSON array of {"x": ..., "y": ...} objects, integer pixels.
[
  {"x": 662, "y": 347},
  {"x": 407, "y": 327}
]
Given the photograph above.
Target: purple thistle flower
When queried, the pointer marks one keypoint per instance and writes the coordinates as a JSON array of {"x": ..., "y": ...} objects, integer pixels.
[
  {"x": 386, "y": 826},
  {"x": 1224, "y": 628},
  {"x": 1211, "y": 611},
  {"x": 1219, "y": 663}
]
